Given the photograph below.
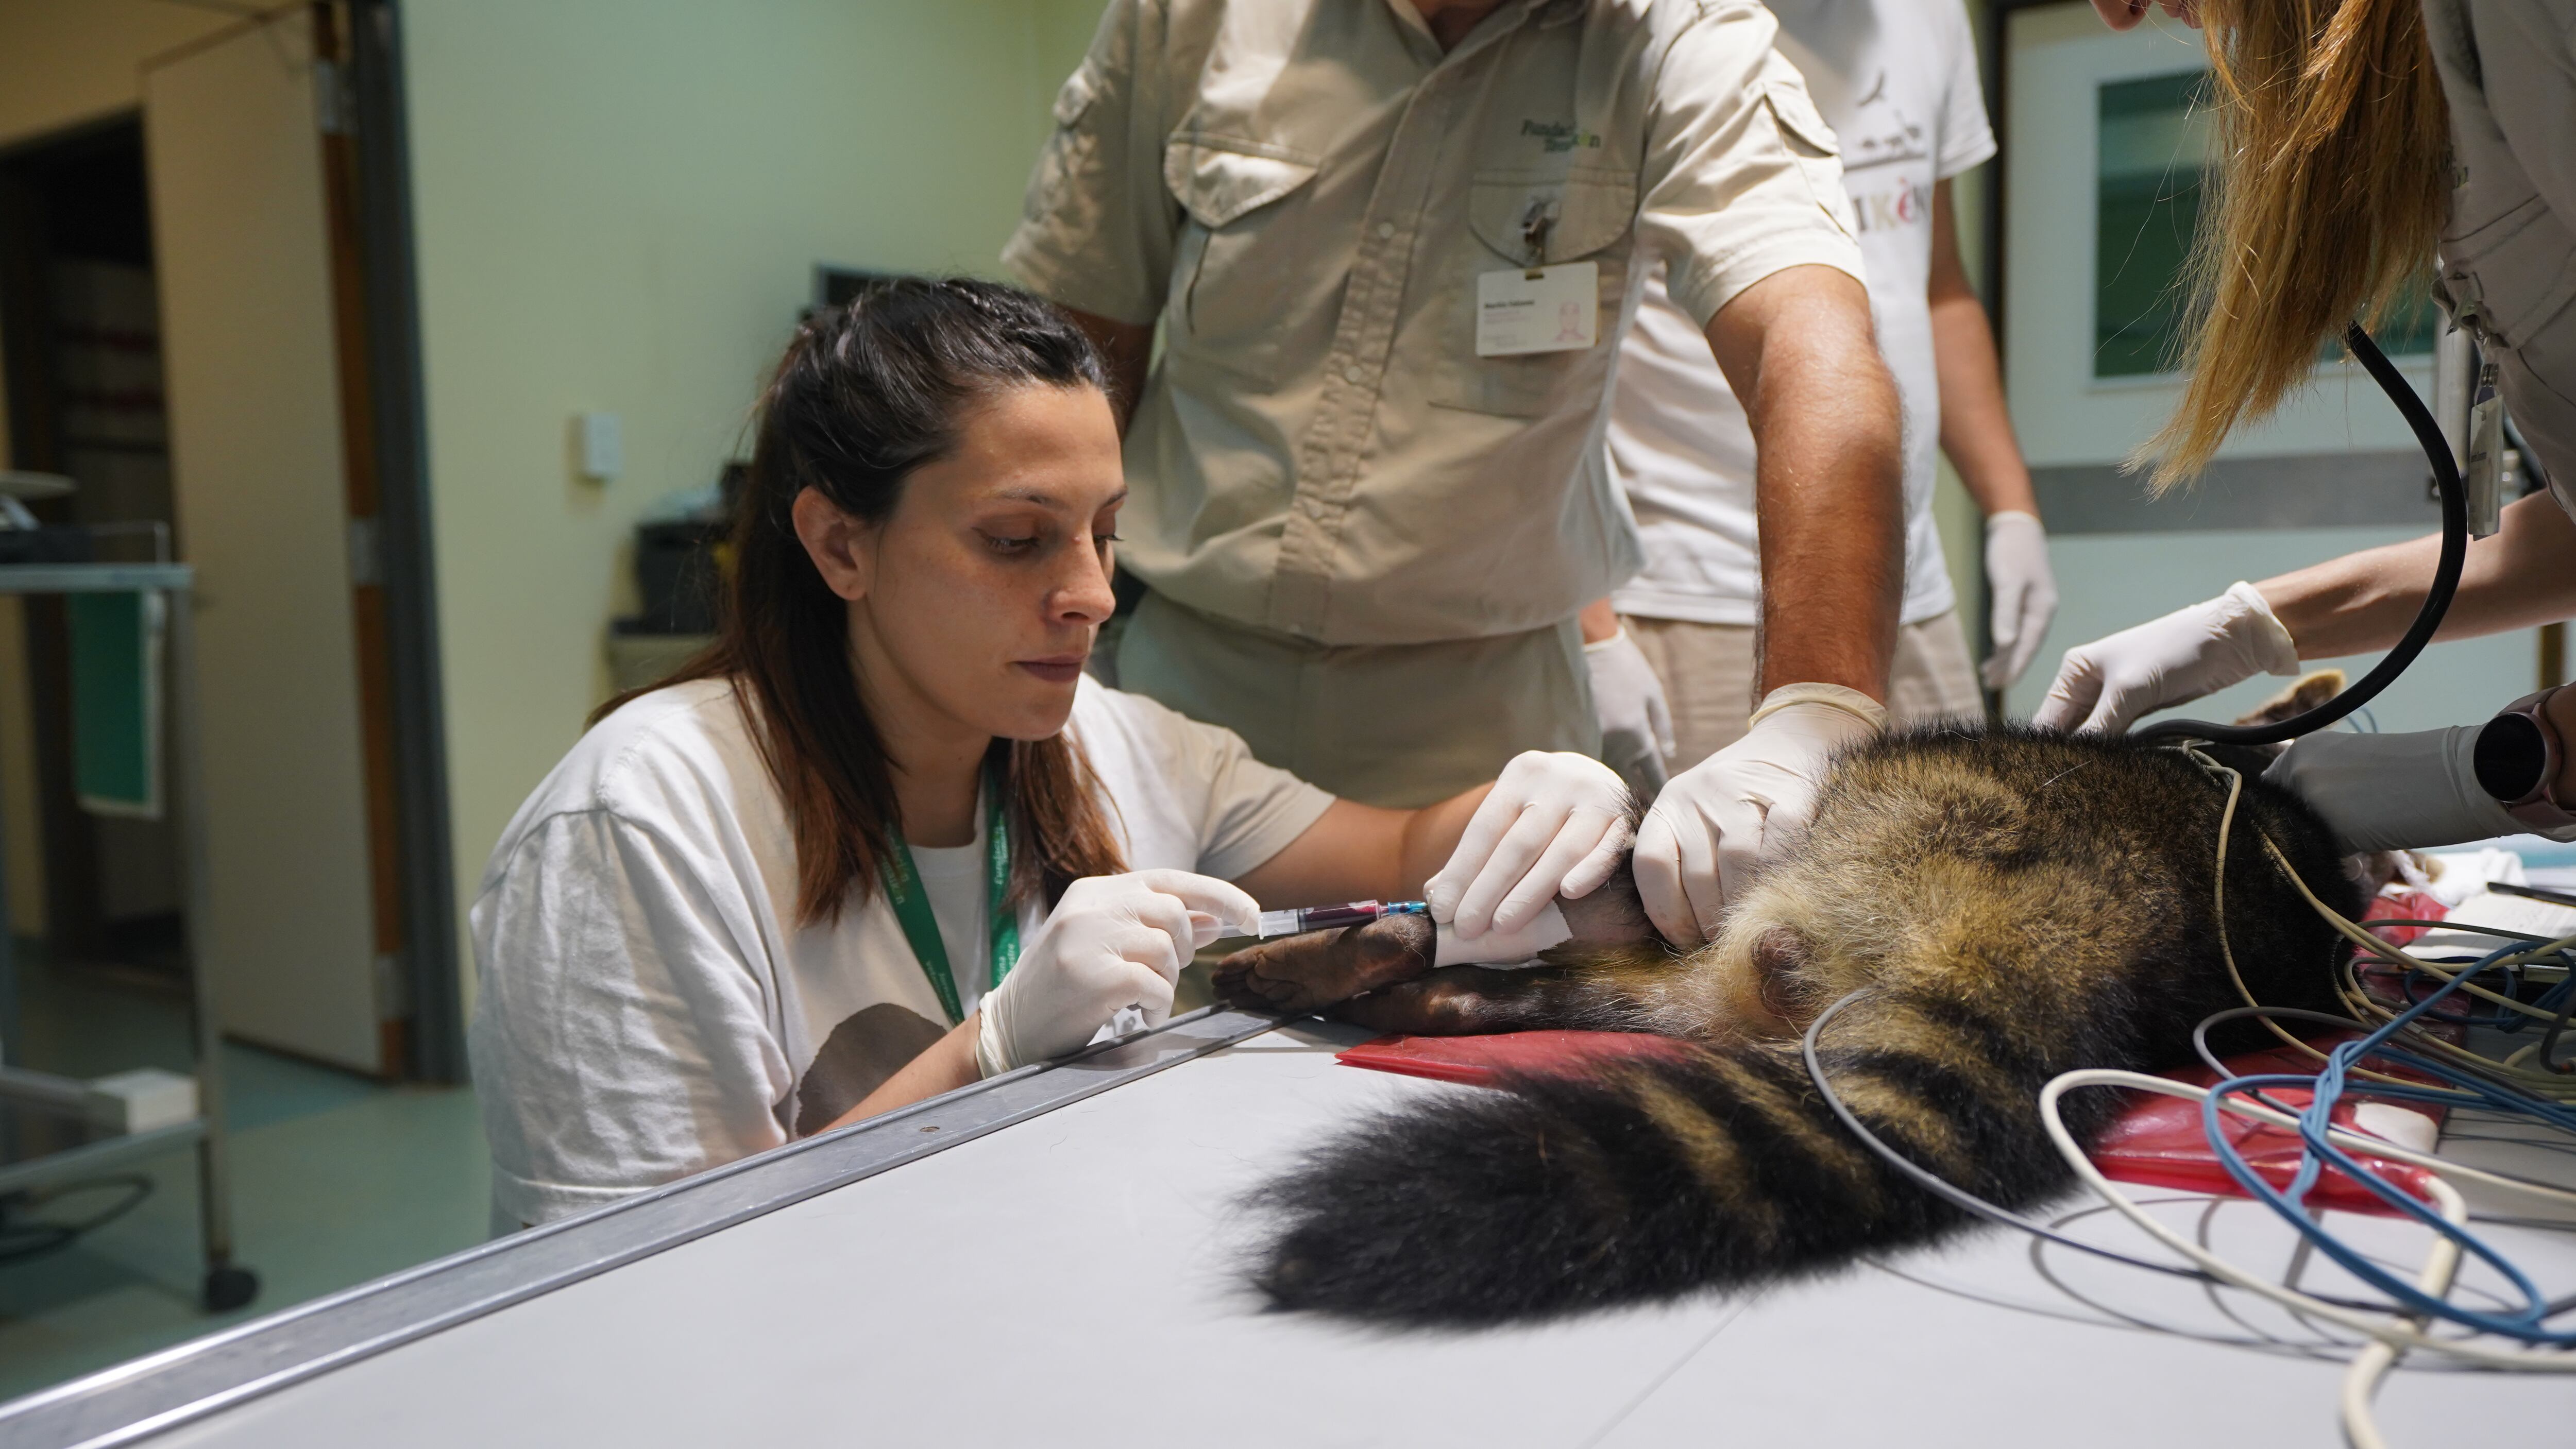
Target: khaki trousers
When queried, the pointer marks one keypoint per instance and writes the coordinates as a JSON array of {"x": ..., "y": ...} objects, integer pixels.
[
  {"x": 1707, "y": 670},
  {"x": 1397, "y": 725}
]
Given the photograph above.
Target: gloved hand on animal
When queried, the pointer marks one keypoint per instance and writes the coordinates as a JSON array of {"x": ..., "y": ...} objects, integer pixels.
[
  {"x": 2105, "y": 686},
  {"x": 2012, "y": 904},
  {"x": 1698, "y": 846}
]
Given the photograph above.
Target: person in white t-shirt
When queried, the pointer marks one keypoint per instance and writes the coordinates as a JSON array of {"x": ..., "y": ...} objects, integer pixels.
[
  {"x": 885, "y": 837},
  {"x": 1897, "y": 81}
]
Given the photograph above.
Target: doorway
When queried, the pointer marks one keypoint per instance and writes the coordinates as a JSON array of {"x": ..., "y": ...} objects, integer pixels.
[
  {"x": 256, "y": 207},
  {"x": 80, "y": 321}
]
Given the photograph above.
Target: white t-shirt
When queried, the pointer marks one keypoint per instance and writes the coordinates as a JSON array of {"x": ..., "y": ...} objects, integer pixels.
[
  {"x": 952, "y": 877},
  {"x": 650, "y": 1006},
  {"x": 1897, "y": 80}
]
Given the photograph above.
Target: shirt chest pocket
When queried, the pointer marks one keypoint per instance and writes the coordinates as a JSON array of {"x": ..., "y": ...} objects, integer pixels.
[
  {"x": 1237, "y": 244},
  {"x": 1518, "y": 218}
]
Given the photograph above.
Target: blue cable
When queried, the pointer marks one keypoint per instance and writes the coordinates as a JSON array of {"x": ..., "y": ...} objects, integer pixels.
[
  {"x": 2499, "y": 1018},
  {"x": 2527, "y": 1325}
]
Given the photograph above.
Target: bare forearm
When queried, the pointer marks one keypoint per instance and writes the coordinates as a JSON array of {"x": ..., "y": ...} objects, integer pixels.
[
  {"x": 1976, "y": 430},
  {"x": 1976, "y": 427},
  {"x": 1829, "y": 500},
  {"x": 1430, "y": 835},
  {"x": 1125, "y": 350},
  {"x": 2360, "y": 603},
  {"x": 1829, "y": 594},
  {"x": 943, "y": 1066},
  {"x": 1360, "y": 852}
]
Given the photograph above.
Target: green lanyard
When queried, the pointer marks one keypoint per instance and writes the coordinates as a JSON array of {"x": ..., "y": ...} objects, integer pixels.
[{"x": 921, "y": 928}]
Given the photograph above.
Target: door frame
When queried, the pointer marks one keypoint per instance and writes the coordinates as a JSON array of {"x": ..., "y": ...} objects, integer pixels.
[
  {"x": 367, "y": 156},
  {"x": 372, "y": 45}
]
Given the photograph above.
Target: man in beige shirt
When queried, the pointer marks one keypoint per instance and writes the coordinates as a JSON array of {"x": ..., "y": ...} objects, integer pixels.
[{"x": 1392, "y": 245}]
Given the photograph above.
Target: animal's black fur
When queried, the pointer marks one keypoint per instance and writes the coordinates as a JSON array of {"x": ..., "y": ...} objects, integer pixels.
[{"x": 2016, "y": 905}]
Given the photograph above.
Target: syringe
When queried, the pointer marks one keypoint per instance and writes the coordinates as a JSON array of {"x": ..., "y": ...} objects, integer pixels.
[{"x": 1295, "y": 919}]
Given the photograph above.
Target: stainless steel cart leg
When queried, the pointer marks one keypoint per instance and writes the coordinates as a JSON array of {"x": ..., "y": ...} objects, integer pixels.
[{"x": 227, "y": 1285}]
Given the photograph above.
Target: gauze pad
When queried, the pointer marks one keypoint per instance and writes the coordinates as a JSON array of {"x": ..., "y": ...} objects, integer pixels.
[{"x": 1503, "y": 948}]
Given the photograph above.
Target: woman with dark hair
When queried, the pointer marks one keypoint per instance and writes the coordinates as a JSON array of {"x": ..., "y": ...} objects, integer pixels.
[{"x": 885, "y": 837}]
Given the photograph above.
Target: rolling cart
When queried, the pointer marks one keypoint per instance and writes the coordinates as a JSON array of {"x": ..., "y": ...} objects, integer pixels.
[{"x": 47, "y": 1132}]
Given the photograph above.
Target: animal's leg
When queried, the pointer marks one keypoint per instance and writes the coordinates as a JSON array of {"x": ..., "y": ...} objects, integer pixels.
[
  {"x": 1455, "y": 1001},
  {"x": 1312, "y": 971},
  {"x": 1636, "y": 987}
]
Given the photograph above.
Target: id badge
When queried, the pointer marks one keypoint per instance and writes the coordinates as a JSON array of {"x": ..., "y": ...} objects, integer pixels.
[{"x": 1543, "y": 309}]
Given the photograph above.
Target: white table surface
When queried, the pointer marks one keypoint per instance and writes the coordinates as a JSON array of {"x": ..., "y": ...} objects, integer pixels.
[{"x": 1068, "y": 1281}]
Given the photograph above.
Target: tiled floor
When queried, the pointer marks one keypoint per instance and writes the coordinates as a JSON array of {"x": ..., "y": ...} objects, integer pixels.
[{"x": 336, "y": 1180}]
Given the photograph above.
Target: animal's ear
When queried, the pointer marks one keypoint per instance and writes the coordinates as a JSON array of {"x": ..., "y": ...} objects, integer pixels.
[{"x": 2311, "y": 690}]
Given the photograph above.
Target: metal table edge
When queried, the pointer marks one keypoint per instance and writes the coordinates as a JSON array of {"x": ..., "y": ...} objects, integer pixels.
[{"x": 150, "y": 1395}]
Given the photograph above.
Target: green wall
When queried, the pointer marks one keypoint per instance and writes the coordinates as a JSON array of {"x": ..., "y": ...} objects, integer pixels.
[{"x": 619, "y": 205}]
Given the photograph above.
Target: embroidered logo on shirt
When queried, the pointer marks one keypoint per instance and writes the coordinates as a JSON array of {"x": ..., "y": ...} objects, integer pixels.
[{"x": 1562, "y": 135}]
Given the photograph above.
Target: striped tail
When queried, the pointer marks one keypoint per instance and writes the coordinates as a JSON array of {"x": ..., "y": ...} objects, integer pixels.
[{"x": 1656, "y": 1178}]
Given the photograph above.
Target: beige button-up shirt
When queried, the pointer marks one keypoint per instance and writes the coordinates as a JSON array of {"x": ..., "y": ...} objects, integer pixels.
[{"x": 1304, "y": 192}]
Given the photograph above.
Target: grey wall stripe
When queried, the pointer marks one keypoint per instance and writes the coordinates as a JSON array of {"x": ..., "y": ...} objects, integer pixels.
[{"x": 2317, "y": 490}]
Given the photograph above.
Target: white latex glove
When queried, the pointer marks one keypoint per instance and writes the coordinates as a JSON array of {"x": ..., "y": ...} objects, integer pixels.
[
  {"x": 1553, "y": 825},
  {"x": 1636, "y": 722},
  {"x": 2395, "y": 792},
  {"x": 1113, "y": 941},
  {"x": 2025, "y": 591},
  {"x": 2107, "y": 684},
  {"x": 1699, "y": 844}
]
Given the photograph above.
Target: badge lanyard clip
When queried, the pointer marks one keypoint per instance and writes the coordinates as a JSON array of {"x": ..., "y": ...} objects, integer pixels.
[{"x": 1534, "y": 225}]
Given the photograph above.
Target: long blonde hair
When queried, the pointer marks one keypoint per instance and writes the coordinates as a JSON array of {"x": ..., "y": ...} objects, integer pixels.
[{"x": 2331, "y": 194}]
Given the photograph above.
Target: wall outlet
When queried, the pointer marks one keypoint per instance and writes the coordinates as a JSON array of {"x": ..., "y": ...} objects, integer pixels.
[{"x": 603, "y": 446}]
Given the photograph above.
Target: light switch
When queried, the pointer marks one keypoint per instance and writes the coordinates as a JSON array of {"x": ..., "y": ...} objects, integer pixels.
[{"x": 603, "y": 446}]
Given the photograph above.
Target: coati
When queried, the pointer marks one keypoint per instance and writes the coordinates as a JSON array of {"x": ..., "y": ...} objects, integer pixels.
[{"x": 2016, "y": 904}]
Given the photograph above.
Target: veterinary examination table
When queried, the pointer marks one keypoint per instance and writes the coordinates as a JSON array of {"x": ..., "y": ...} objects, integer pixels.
[{"x": 1052, "y": 1258}]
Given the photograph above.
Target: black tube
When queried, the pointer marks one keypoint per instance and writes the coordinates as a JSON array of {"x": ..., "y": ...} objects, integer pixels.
[{"x": 2437, "y": 601}]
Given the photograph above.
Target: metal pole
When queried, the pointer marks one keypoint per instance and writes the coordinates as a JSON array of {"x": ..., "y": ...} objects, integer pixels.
[{"x": 226, "y": 1286}]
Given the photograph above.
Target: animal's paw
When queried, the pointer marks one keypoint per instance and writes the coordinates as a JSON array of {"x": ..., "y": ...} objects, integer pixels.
[
  {"x": 1452, "y": 1001},
  {"x": 1315, "y": 970}
]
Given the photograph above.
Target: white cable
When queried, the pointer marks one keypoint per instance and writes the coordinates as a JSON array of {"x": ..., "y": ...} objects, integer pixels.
[
  {"x": 2393, "y": 1332},
  {"x": 2370, "y": 1367}
]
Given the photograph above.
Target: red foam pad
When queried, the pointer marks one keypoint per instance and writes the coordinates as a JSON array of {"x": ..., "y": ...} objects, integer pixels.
[
  {"x": 1480, "y": 1061},
  {"x": 2402, "y": 906},
  {"x": 2157, "y": 1142}
]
